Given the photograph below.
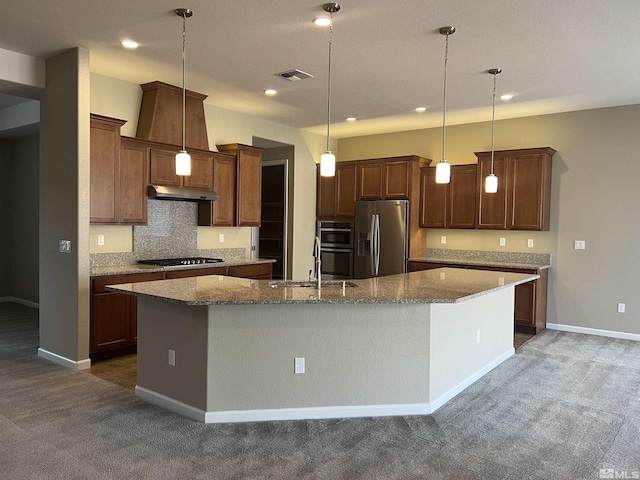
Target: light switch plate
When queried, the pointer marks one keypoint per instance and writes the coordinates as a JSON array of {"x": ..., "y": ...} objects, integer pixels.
[
  {"x": 580, "y": 245},
  {"x": 65, "y": 246}
]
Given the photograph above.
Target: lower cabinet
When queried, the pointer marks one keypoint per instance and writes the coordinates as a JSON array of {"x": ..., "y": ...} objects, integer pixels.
[
  {"x": 113, "y": 326},
  {"x": 530, "y": 310}
]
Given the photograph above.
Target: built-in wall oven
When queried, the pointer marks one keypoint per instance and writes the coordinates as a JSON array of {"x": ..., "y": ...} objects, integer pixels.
[{"x": 336, "y": 249}]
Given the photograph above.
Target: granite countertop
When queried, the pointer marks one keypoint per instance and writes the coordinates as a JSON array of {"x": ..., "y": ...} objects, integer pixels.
[
  {"x": 139, "y": 268},
  {"x": 482, "y": 263},
  {"x": 442, "y": 285}
]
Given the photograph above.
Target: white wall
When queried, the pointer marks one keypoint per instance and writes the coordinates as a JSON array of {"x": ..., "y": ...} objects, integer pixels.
[
  {"x": 120, "y": 99},
  {"x": 594, "y": 197}
]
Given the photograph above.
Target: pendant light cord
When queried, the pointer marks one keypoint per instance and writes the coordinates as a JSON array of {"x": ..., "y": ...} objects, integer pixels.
[
  {"x": 329, "y": 83},
  {"x": 444, "y": 102},
  {"x": 184, "y": 92},
  {"x": 493, "y": 120}
]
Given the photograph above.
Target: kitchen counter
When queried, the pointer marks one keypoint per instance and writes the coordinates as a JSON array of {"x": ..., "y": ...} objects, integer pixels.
[
  {"x": 218, "y": 349},
  {"x": 482, "y": 263},
  {"x": 139, "y": 268},
  {"x": 445, "y": 285}
]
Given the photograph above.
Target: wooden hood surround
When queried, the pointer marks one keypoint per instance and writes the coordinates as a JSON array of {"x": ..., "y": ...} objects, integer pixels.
[{"x": 160, "y": 117}]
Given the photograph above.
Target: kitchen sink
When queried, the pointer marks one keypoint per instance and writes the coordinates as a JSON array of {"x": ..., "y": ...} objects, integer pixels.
[{"x": 324, "y": 283}]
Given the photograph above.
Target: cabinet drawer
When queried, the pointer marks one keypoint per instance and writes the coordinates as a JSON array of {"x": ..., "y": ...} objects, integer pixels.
[
  {"x": 260, "y": 270},
  {"x": 99, "y": 283},
  {"x": 196, "y": 272}
]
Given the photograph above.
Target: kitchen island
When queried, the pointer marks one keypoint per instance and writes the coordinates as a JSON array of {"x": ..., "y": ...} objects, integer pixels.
[{"x": 395, "y": 345}]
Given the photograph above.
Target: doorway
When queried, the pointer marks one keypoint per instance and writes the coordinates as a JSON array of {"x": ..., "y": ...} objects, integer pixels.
[{"x": 272, "y": 238}]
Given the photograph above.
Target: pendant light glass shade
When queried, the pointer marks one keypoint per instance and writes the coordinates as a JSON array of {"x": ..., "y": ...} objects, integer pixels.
[
  {"x": 327, "y": 164},
  {"x": 183, "y": 159},
  {"x": 491, "y": 181},
  {"x": 328, "y": 159},
  {"x": 443, "y": 169}
]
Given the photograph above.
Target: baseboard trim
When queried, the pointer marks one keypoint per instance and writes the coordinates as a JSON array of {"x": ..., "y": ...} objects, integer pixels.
[
  {"x": 21, "y": 301},
  {"x": 306, "y": 413},
  {"x": 594, "y": 331},
  {"x": 63, "y": 361},
  {"x": 442, "y": 399}
]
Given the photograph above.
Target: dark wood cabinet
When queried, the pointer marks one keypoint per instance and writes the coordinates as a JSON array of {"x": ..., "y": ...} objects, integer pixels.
[
  {"x": 530, "y": 307},
  {"x": 336, "y": 196},
  {"x": 451, "y": 205},
  {"x": 221, "y": 213},
  {"x": 257, "y": 271},
  {"x": 134, "y": 168},
  {"x": 248, "y": 183},
  {"x": 524, "y": 189},
  {"x": 163, "y": 169},
  {"x": 369, "y": 178},
  {"x": 195, "y": 272},
  {"x": 384, "y": 179},
  {"x": 105, "y": 168},
  {"x": 114, "y": 315}
]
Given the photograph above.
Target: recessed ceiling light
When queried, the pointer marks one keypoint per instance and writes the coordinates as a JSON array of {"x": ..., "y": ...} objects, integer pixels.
[
  {"x": 506, "y": 97},
  {"x": 421, "y": 109},
  {"x": 351, "y": 119},
  {"x": 322, "y": 21},
  {"x": 129, "y": 44},
  {"x": 270, "y": 92}
]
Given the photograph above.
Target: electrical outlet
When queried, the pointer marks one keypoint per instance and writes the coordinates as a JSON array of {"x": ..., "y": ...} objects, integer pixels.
[
  {"x": 172, "y": 358},
  {"x": 221, "y": 238},
  {"x": 621, "y": 307},
  {"x": 530, "y": 242},
  {"x": 501, "y": 281},
  {"x": 503, "y": 241},
  {"x": 580, "y": 245},
  {"x": 443, "y": 239},
  {"x": 443, "y": 276},
  {"x": 65, "y": 246},
  {"x": 298, "y": 365},
  {"x": 100, "y": 239}
]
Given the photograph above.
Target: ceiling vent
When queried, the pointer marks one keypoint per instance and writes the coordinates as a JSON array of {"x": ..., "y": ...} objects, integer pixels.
[{"x": 294, "y": 75}]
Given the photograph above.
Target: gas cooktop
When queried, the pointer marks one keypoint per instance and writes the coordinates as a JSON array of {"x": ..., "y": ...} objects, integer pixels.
[{"x": 172, "y": 262}]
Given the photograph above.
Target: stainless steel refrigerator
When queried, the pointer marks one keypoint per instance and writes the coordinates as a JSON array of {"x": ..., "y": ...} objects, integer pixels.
[{"x": 381, "y": 236}]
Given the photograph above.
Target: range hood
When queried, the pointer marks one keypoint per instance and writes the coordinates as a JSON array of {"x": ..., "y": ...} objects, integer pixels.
[{"x": 162, "y": 192}]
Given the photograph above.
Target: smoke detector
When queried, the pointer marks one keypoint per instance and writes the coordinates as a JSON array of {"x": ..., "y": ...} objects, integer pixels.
[{"x": 294, "y": 75}]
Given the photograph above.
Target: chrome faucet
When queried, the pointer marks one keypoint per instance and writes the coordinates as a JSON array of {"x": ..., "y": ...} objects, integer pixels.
[{"x": 317, "y": 277}]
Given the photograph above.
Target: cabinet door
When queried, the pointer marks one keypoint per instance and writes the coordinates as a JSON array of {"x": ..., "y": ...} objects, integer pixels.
[
  {"x": 163, "y": 168},
  {"x": 326, "y": 195},
  {"x": 492, "y": 207},
  {"x": 461, "y": 197},
  {"x": 134, "y": 168},
  {"x": 433, "y": 199},
  {"x": 110, "y": 321},
  {"x": 346, "y": 191},
  {"x": 369, "y": 182},
  {"x": 105, "y": 155},
  {"x": 527, "y": 202},
  {"x": 396, "y": 176},
  {"x": 249, "y": 186},
  {"x": 195, "y": 272},
  {"x": 256, "y": 271},
  {"x": 201, "y": 172},
  {"x": 222, "y": 212}
]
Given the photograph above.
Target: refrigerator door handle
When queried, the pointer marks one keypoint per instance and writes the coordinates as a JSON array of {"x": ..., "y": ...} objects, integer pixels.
[
  {"x": 372, "y": 243},
  {"x": 377, "y": 246}
]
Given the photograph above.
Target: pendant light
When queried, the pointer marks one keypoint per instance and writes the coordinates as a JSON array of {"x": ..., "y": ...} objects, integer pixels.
[
  {"x": 491, "y": 181},
  {"x": 443, "y": 169},
  {"x": 183, "y": 159},
  {"x": 328, "y": 159}
]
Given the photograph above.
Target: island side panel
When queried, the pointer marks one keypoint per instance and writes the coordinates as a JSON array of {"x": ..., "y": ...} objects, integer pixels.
[
  {"x": 355, "y": 354},
  {"x": 183, "y": 329},
  {"x": 457, "y": 358}
]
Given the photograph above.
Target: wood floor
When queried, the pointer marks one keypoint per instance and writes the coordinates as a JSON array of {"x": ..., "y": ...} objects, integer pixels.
[{"x": 123, "y": 370}]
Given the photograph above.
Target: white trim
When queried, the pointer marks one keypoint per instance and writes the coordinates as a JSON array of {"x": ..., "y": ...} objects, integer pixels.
[
  {"x": 440, "y": 401},
  {"x": 307, "y": 413},
  {"x": 594, "y": 331},
  {"x": 63, "y": 361},
  {"x": 20, "y": 301}
]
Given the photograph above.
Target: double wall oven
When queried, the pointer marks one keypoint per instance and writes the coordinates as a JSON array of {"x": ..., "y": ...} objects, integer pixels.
[{"x": 336, "y": 249}]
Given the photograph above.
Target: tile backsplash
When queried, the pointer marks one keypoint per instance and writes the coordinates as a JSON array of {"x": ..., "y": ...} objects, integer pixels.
[{"x": 171, "y": 232}]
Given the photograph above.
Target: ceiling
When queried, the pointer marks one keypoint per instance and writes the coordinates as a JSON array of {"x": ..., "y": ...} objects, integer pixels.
[{"x": 388, "y": 57}]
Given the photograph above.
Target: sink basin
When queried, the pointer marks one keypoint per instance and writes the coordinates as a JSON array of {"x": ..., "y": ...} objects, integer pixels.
[{"x": 325, "y": 283}]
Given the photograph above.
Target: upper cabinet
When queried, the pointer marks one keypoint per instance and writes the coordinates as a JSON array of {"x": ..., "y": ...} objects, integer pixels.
[
  {"x": 451, "y": 205},
  {"x": 524, "y": 189},
  {"x": 163, "y": 169},
  {"x": 246, "y": 190},
  {"x": 221, "y": 213},
  {"x": 337, "y": 195},
  {"x": 384, "y": 179},
  {"x": 119, "y": 172}
]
